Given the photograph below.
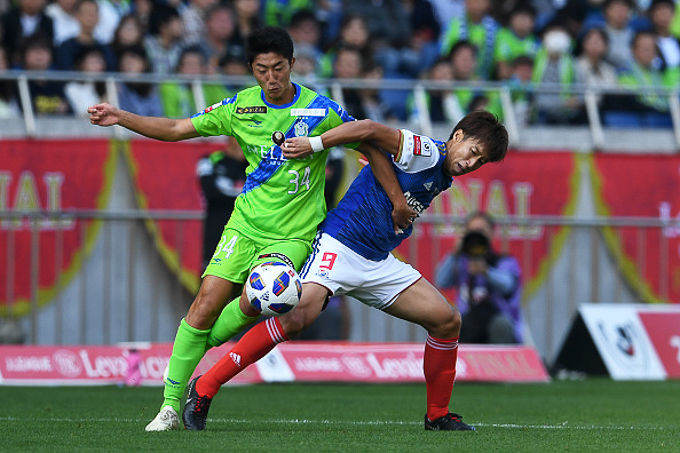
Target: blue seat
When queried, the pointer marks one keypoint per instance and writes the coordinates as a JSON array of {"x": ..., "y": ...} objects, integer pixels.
[
  {"x": 658, "y": 120},
  {"x": 622, "y": 119}
]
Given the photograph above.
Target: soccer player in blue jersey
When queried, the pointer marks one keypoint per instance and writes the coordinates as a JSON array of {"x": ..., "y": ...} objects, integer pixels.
[
  {"x": 352, "y": 255},
  {"x": 275, "y": 217}
]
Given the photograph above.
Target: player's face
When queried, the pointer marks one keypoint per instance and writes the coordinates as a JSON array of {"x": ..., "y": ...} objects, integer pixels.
[
  {"x": 272, "y": 72},
  {"x": 463, "y": 155}
]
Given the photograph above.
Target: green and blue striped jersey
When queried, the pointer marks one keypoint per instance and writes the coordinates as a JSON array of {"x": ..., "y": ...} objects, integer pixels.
[{"x": 282, "y": 198}]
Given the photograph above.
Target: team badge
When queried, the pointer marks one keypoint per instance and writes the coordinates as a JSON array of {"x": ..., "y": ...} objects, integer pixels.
[{"x": 301, "y": 129}]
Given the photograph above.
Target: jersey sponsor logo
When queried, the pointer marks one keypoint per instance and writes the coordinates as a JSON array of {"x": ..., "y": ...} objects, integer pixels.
[
  {"x": 251, "y": 109},
  {"x": 307, "y": 112},
  {"x": 414, "y": 203},
  {"x": 255, "y": 123},
  {"x": 421, "y": 147}
]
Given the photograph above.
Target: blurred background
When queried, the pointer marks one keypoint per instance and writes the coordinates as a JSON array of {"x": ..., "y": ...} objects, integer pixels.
[{"x": 102, "y": 231}]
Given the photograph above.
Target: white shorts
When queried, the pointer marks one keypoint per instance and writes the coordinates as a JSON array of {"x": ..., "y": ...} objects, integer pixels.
[{"x": 343, "y": 271}]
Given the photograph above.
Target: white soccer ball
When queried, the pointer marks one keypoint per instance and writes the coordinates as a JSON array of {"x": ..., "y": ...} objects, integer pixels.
[{"x": 273, "y": 288}]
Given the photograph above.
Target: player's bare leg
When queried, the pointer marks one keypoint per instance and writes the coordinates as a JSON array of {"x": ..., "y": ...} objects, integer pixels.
[{"x": 422, "y": 304}]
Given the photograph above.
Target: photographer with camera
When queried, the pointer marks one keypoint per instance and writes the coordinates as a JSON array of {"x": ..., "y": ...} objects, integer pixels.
[{"x": 489, "y": 286}]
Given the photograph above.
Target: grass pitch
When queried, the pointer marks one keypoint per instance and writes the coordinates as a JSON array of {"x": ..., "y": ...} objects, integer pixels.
[{"x": 591, "y": 415}]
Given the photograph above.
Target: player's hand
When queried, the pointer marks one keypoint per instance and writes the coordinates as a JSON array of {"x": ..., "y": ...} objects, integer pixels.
[
  {"x": 403, "y": 217},
  {"x": 296, "y": 148},
  {"x": 103, "y": 114}
]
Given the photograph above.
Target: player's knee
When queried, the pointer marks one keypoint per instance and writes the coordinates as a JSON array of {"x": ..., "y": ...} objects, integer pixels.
[
  {"x": 297, "y": 320},
  {"x": 449, "y": 324},
  {"x": 204, "y": 310}
]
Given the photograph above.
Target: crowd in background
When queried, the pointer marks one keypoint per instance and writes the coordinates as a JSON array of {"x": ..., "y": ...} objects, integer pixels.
[{"x": 521, "y": 43}]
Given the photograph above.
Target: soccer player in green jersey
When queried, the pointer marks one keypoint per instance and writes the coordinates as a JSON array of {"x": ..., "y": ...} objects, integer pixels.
[{"x": 276, "y": 215}]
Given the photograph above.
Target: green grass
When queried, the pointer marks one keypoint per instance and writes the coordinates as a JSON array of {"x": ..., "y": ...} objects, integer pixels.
[{"x": 590, "y": 415}]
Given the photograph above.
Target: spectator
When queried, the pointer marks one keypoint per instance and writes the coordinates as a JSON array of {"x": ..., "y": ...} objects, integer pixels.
[
  {"x": 305, "y": 68},
  {"x": 178, "y": 98},
  {"x": 279, "y": 13},
  {"x": 22, "y": 22},
  {"x": 653, "y": 107},
  {"x": 163, "y": 41},
  {"x": 222, "y": 175},
  {"x": 353, "y": 33},
  {"x": 477, "y": 27},
  {"x": 305, "y": 30},
  {"x": 488, "y": 283},
  {"x": 556, "y": 67},
  {"x": 464, "y": 64},
  {"x": 129, "y": 32},
  {"x": 47, "y": 97},
  {"x": 591, "y": 67},
  {"x": 616, "y": 17},
  {"x": 661, "y": 14},
  {"x": 422, "y": 47},
  {"x": 374, "y": 101},
  {"x": 63, "y": 14},
  {"x": 388, "y": 27},
  {"x": 247, "y": 18},
  {"x": 220, "y": 38},
  {"x": 441, "y": 104},
  {"x": 87, "y": 13},
  {"x": 516, "y": 39},
  {"x": 110, "y": 14},
  {"x": 194, "y": 19},
  {"x": 137, "y": 97},
  {"x": 82, "y": 94},
  {"x": 329, "y": 13},
  {"x": 348, "y": 65},
  {"x": 519, "y": 84},
  {"x": 8, "y": 104}
]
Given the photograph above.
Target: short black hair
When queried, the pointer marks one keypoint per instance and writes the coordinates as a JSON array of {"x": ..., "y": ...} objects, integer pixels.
[
  {"x": 161, "y": 14},
  {"x": 269, "y": 39},
  {"x": 485, "y": 127}
]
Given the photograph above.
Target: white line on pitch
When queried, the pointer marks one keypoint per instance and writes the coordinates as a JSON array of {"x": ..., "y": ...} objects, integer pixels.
[{"x": 564, "y": 425}]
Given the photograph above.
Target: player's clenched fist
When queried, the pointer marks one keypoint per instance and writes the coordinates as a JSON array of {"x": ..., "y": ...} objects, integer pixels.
[
  {"x": 103, "y": 114},
  {"x": 297, "y": 148}
]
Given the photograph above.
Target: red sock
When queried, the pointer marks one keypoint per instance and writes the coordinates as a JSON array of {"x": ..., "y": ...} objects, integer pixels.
[
  {"x": 439, "y": 365},
  {"x": 254, "y": 345}
]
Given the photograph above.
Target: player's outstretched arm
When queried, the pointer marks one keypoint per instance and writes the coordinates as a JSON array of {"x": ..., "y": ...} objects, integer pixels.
[
  {"x": 381, "y": 166},
  {"x": 166, "y": 129},
  {"x": 386, "y": 138}
]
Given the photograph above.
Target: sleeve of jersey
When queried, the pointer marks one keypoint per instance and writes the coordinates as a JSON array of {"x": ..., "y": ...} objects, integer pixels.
[
  {"x": 214, "y": 120},
  {"x": 417, "y": 152}
]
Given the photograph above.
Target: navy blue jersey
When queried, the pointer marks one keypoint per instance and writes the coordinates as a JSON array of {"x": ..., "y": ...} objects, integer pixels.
[{"x": 363, "y": 218}]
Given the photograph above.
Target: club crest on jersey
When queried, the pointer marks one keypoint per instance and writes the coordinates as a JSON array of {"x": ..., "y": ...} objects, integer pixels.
[
  {"x": 251, "y": 109},
  {"x": 301, "y": 129},
  {"x": 421, "y": 147}
]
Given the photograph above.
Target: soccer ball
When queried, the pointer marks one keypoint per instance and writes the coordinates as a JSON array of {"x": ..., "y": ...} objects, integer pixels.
[{"x": 273, "y": 288}]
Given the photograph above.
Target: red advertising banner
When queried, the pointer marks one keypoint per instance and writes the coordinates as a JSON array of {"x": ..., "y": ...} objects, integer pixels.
[
  {"x": 526, "y": 183},
  {"x": 294, "y": 361},
  {"x": 663, "y": 329},
  {"x": 48, "y": 176},
  {"x": 165, "y": 178},
  {"x": 647, "y": 186}
]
